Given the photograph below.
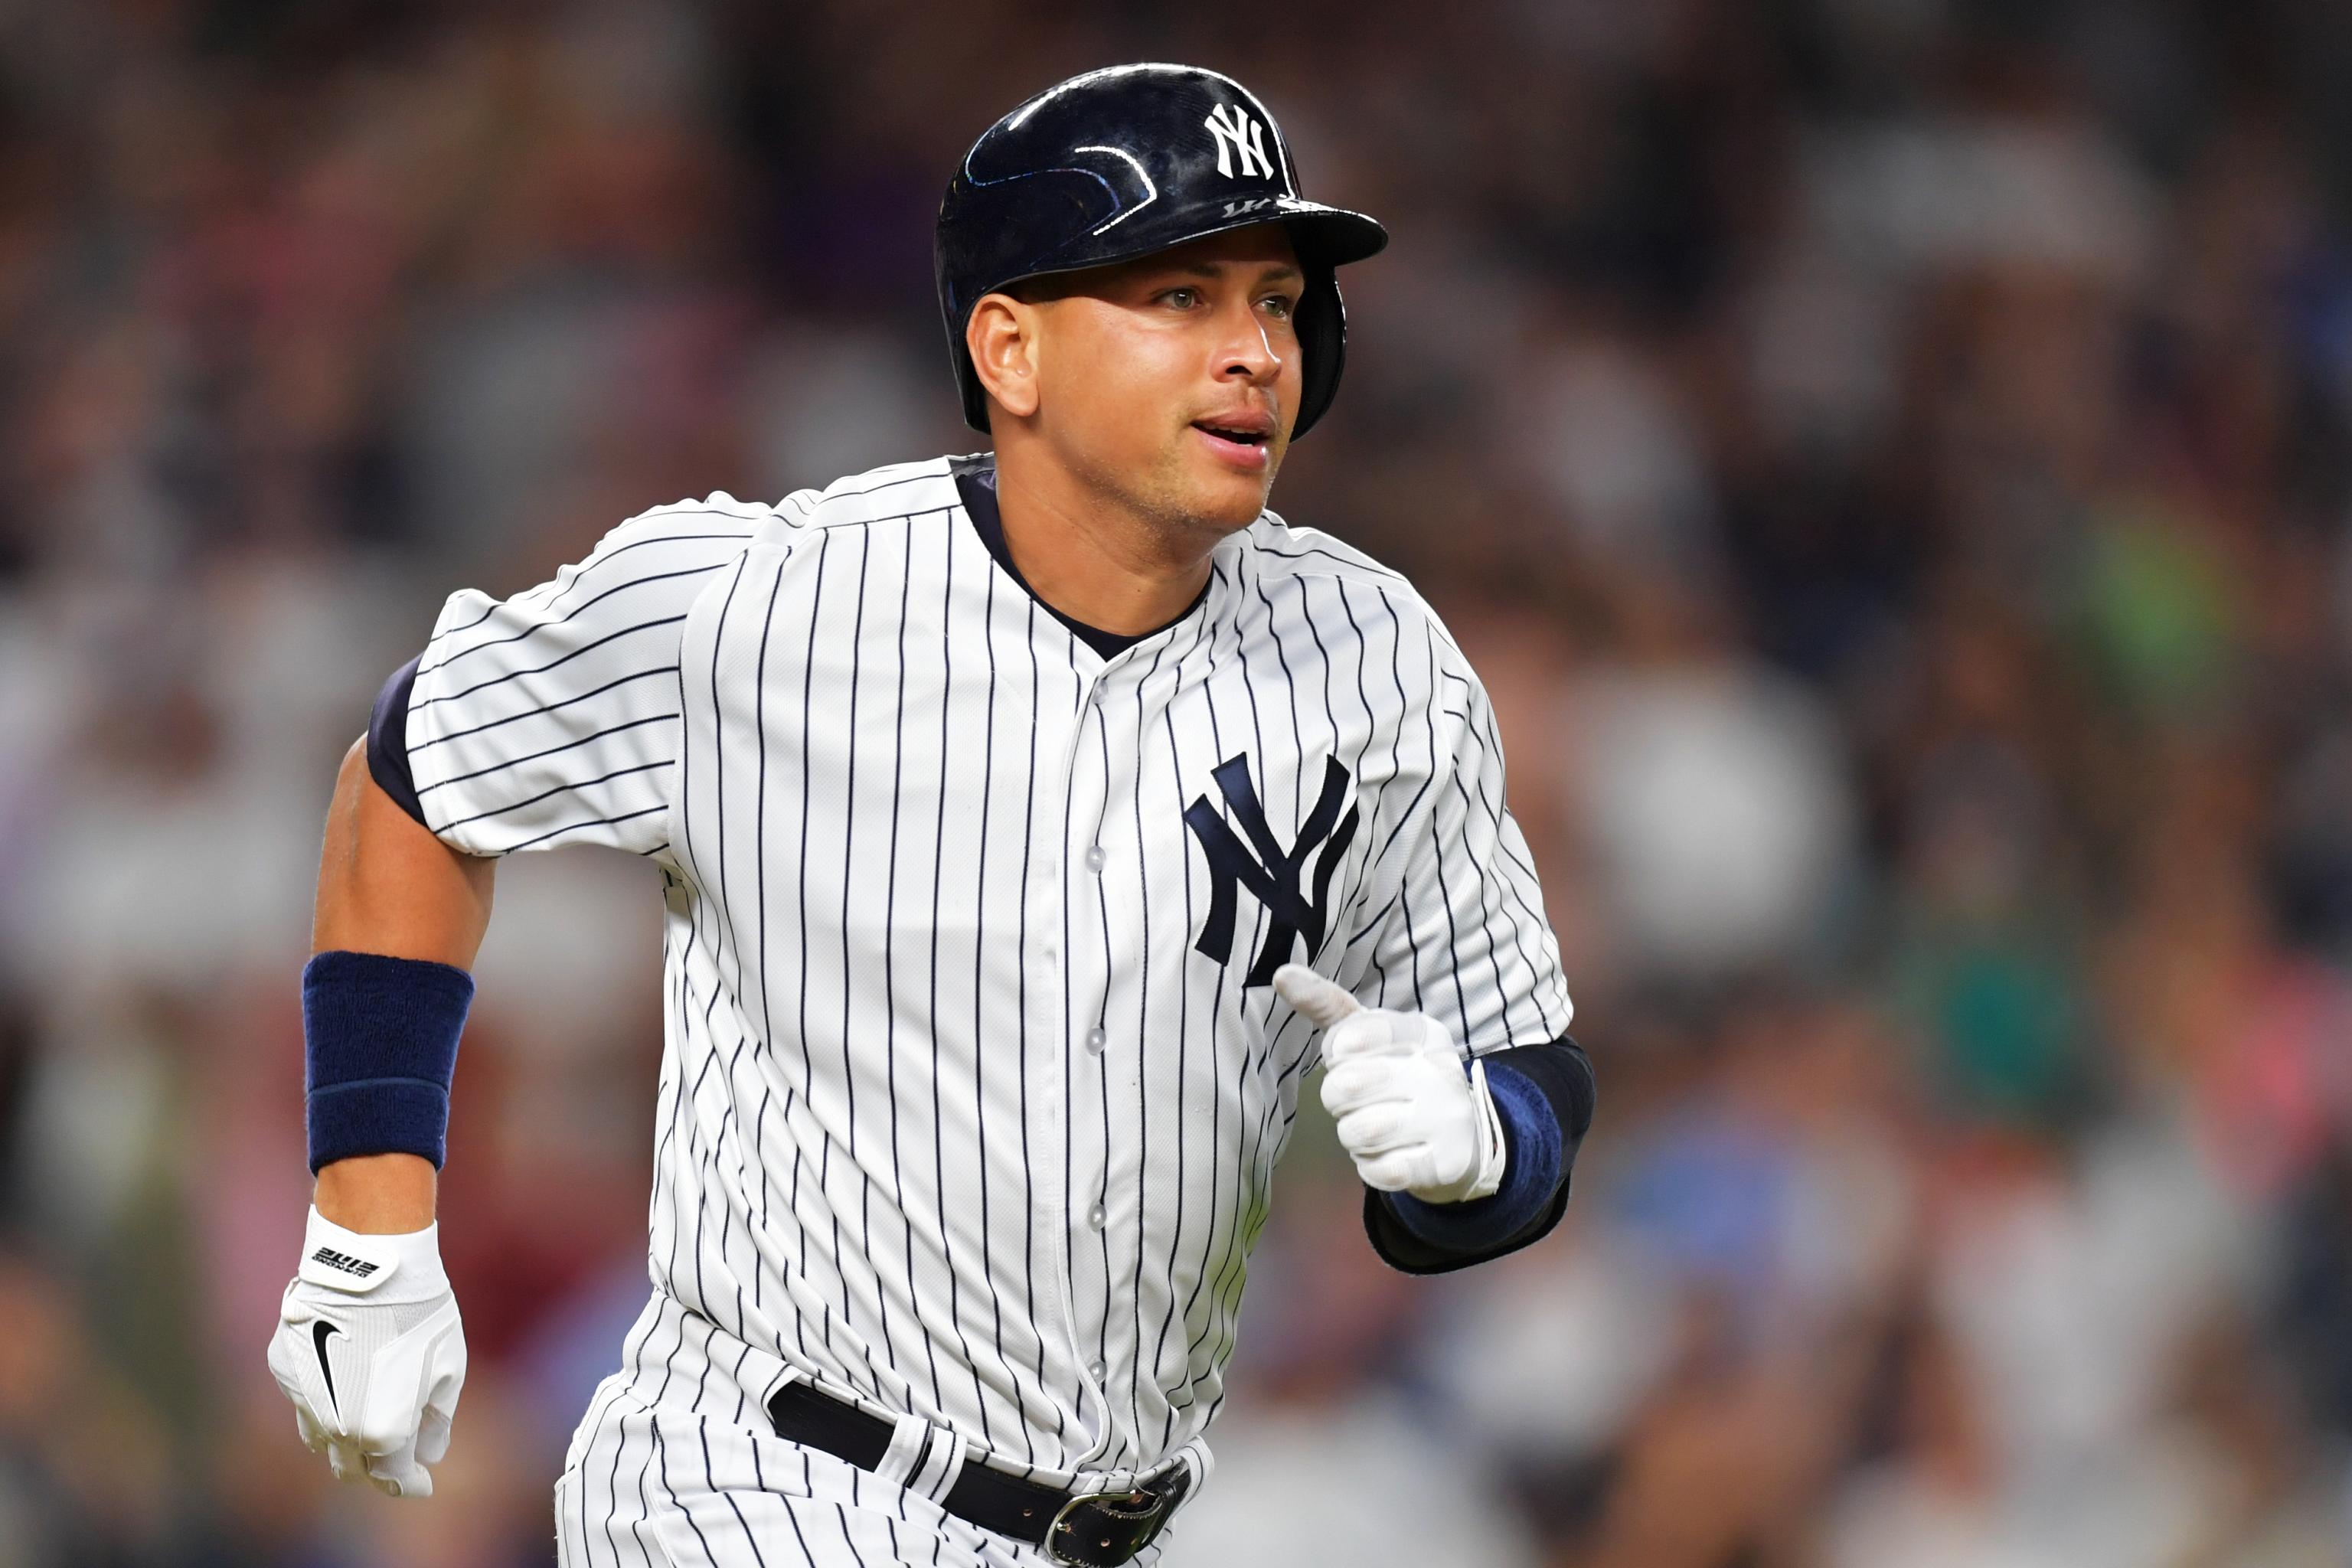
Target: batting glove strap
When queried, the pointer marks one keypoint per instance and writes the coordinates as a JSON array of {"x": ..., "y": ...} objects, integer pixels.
[
  {"x": 370, "y": 1348},
  {"x": 1494, "y": 1149},
  {"x": 1532, "y": 1166}
]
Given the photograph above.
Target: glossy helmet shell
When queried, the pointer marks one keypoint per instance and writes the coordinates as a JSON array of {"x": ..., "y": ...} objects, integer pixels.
[{"x": 1123, "y": 162}]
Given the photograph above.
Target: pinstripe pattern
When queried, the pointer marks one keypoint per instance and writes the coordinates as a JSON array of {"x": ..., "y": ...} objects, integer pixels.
[
  {"x": 954, "y": 1117},
  {"x": 689, "y": 1483}
]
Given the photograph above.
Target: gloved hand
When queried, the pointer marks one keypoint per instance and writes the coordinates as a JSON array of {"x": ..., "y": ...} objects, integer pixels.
[
  {"x": 369, "y": 1349},
  {"x": 1410, "y": 1114}
]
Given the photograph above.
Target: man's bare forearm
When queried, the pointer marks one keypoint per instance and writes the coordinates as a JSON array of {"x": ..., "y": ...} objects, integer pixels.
[{"x": 387, "y": 886}]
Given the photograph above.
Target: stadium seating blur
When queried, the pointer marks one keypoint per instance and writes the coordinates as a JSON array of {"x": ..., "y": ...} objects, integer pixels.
[{"x": 1890, "y": 459}]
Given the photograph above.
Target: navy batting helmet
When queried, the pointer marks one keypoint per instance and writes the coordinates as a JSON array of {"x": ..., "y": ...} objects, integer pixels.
[{"x": 1124, "y": 161}]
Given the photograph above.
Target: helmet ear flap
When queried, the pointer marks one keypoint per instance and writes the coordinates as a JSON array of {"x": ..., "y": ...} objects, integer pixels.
[{"x": 1322, "y": 322}]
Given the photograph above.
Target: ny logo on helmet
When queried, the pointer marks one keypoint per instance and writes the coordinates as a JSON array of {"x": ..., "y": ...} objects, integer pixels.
[
  {"x": 1238, "y": 136},
  {"x": 1272, "y": 876}
]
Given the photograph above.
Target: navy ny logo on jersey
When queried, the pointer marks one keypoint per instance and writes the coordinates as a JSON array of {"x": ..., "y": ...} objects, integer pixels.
[{"x": 1272, "y": 875}]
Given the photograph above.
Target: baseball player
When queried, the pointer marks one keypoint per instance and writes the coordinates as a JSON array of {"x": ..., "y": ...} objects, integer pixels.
[{"x": 1029, "y": 825}]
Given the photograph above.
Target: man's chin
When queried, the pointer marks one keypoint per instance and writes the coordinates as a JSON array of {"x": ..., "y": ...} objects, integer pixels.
[{"x": 1227, "y": 500}]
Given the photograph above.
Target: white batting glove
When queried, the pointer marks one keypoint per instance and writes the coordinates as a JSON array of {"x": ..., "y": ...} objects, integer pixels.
[
  {"x": 1410, "y": 1116},
  {"x": 369, "y": 1349}
]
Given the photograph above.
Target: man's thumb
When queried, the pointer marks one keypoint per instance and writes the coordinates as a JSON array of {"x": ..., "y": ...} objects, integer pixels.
[{"x": 1321, "y": 1002}]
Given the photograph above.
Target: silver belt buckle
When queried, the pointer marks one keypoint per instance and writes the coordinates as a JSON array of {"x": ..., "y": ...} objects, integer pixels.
[{"x": 1123, "y": 1510}]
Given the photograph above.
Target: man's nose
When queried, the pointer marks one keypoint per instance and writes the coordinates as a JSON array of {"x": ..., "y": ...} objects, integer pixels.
[{"x": 1247, "y": 353}]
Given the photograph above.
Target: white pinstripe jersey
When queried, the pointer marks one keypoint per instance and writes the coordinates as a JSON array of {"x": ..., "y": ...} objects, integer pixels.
[{"x": 968, "y": 1108}]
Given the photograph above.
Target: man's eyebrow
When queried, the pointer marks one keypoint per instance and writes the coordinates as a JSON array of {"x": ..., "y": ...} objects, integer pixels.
[{"x": 1213, "y": 270}]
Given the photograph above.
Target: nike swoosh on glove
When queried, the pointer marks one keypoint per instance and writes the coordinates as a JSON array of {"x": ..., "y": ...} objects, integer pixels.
[
  {"x": 369, "y": 1349},
  {"x": 1412, "y": 1114}
]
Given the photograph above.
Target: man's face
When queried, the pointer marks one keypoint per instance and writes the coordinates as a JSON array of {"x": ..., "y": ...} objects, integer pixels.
[{"x": 1172, "y": 382}]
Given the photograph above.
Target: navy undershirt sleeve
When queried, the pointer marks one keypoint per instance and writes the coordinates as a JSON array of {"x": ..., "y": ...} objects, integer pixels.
[
  {"x": 1544, "y": 1097},
  {"x": 387, "y": 741}
]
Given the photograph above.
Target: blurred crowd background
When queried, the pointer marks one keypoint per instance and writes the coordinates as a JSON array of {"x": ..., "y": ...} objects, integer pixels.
[{"x": 1891, "y": 460}]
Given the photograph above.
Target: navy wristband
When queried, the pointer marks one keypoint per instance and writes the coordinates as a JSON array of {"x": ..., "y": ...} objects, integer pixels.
[
  {"x": 1531, "y": 1175},
  {"x": 380, "y": 1040}
]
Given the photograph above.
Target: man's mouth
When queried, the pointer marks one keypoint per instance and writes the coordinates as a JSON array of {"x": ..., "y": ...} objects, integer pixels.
[{"x": 1243, "y": 439}]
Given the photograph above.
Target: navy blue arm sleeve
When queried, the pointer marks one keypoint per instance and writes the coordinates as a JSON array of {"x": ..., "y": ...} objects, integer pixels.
[
  {"x": 387, "y": 741},
  {"x": 1542, "y": 1093}
]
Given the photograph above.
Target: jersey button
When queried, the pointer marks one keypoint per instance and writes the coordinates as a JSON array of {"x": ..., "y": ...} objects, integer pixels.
[
  {"x": 1095, "y": 1371},
  {"x": 1097, "y": 1215},
  {"x": 1095, "y": 859},
  {"x": 1096, "y": 1041}
]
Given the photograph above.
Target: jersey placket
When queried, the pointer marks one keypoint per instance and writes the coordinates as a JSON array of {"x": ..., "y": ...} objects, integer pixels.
[
  {"x": 1057, "y": 904},
  {"x": 1103, "y": 1170},
  {"x": 1116, "y": 1262}
]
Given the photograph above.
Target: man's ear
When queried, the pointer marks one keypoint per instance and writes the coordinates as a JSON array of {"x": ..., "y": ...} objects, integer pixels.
[{"x": 1001, "y": 337}]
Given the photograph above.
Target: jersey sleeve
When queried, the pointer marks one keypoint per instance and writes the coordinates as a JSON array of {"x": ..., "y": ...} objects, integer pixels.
[
  {"x": 552, "y": 717},
  {"x": 1458, "y": 930}
]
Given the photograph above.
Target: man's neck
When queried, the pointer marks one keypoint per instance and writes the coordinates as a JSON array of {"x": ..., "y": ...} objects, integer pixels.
[{"x": 1093, "y": 560}]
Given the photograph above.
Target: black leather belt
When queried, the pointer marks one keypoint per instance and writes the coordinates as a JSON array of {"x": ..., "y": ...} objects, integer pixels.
[{"x": 1095, "y": 1530}]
